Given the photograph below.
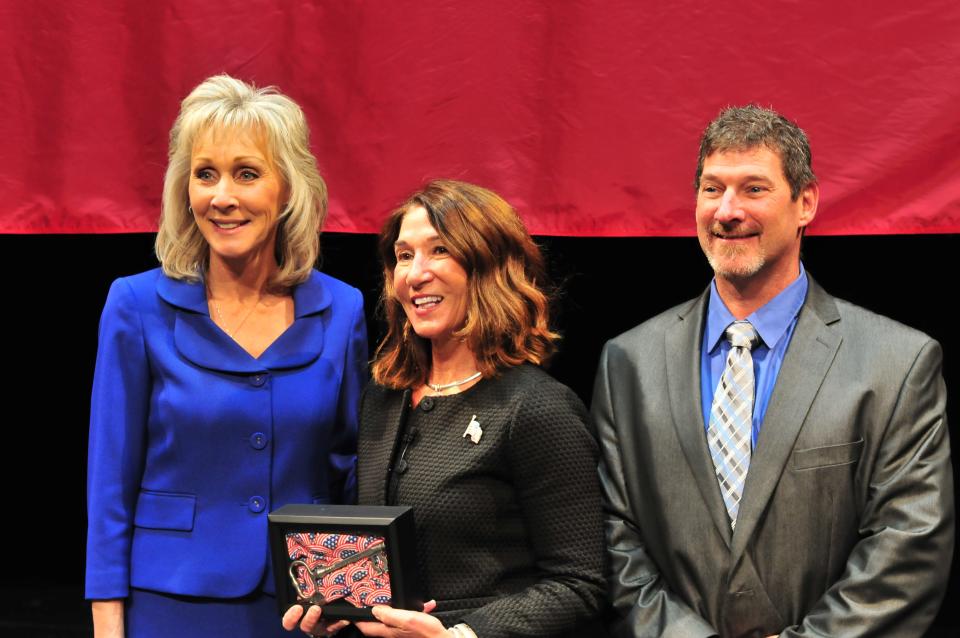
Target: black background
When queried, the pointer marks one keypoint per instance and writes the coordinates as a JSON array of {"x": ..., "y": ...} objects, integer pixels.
[{"x": 55, "y": 288}]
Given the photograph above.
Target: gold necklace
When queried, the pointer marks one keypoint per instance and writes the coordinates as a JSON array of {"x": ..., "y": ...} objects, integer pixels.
[{"x": 223, "y": 323}]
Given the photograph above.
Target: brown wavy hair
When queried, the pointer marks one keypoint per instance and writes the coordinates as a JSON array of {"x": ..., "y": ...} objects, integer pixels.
[{"x": 508, "y": 314}]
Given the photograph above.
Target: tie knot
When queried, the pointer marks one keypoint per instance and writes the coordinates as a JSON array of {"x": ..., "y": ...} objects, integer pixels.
[{"x": 741, "y": 334}]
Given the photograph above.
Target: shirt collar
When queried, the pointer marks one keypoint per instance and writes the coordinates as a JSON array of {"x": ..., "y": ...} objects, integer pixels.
[{"x": 770, "y": 320}]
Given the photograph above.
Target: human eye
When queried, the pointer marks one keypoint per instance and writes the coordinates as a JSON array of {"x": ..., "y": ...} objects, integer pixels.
[
  {"x": 247, "y": 174},
  {"x": 709, "y": 189},
  {"x": 440, "y": 249},
  {"x": 403, "y": 256},
  {"x": 204, "y": 174}
]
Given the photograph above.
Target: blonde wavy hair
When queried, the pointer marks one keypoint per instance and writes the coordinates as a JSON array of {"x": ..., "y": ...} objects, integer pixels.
[
  {"x": 508, "y": 300},
  {"x": 223, "y": 103}
]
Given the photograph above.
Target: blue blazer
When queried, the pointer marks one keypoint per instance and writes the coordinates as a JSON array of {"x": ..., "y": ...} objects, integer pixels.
[{"x": 193, "y": 441}]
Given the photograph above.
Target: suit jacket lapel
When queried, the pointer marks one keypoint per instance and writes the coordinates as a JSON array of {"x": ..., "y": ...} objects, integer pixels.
[
  {"x": 811, "y": 352},
  {"x": 683, "y": 386}
]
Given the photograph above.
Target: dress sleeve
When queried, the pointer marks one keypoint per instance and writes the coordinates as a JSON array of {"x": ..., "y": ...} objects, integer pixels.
[
  {"x": 343, "y": 447},
  {"x": 119, "y": 410},
  {"x": 553, "y": 459}
]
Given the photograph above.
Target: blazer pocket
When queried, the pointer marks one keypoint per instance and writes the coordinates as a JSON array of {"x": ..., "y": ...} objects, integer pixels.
[
  {"x": 165, "y": 510},
  {"x": 827, "y": 456}
]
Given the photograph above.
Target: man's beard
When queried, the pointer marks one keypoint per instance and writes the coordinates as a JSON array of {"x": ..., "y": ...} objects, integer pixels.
[{"x": 730, "y": 262}]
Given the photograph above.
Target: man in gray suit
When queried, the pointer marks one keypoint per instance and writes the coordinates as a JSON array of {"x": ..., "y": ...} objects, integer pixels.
[{"x": 775, "y": 460}]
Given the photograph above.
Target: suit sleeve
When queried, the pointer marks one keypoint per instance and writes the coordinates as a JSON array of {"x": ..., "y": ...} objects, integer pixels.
[
  {"x": 552, "y": 455},
  {"x": 896, "y": 574},
  {"x": 643, "y": 604},
  {"x": 119, "y": 409},
  {"x": 343, "y": 448}
]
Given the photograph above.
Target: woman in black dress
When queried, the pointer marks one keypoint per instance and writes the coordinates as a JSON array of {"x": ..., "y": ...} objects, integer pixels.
[{"x": 497, "y": 458}]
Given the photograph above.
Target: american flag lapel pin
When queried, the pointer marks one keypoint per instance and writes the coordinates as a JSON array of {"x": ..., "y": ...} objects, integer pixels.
[{"x": 473, "y": 430}]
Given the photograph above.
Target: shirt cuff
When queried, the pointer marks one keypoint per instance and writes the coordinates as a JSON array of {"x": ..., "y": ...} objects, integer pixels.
[{"x": 461, "y": 630}]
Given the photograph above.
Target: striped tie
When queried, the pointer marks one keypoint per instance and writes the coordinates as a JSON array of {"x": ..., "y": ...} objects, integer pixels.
[{"x": 731, "y": 417}]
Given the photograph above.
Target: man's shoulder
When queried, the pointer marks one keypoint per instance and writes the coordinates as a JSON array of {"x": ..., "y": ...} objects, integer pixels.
[
  {"x": 869, "y": 329},
  {"x": 863, "y": 321},
  {"x": 879, "y": 346},
  {"x": 658, "y": 325}
]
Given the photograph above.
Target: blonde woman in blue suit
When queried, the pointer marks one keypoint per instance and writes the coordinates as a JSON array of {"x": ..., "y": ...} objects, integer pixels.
[{"x": 226, "y": 381}]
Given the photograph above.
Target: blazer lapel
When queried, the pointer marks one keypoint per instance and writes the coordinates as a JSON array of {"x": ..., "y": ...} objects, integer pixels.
[
  {"x": 809, "y": 356},
  {"x": 203, "y": 343},
  {"x": 197, "y": 338},
  {"x": 683, "y": 387},
  {"x": 302, "y": 343}
]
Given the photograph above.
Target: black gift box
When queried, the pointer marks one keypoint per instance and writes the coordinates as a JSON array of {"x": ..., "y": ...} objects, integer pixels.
[{"x": 346, "y": 558}]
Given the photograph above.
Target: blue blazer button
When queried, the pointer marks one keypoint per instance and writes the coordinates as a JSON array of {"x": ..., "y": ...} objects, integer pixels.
[
  {"x": 258, "y": 380},
  {"x": 256, "y": 504},
  {"x": 258, "y": 440}
]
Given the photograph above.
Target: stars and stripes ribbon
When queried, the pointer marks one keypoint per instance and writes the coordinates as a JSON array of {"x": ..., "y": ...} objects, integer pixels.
[{"x": 332, "y": 566}]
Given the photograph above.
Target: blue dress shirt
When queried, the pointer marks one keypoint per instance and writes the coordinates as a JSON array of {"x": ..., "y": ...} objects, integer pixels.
[{"x": 774, "y": 322}]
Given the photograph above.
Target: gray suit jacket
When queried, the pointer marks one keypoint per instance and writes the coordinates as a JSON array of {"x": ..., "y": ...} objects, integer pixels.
[{"x": 846, "y": 522}]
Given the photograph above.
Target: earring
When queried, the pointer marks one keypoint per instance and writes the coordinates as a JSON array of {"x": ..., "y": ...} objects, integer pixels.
[{"x": 190, "y": 208}]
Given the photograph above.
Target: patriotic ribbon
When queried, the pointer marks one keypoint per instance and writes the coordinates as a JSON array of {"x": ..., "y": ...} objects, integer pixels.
[{"x": 328, "y": 567}]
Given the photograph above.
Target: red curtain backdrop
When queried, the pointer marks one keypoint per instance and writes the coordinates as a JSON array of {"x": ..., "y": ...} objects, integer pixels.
[{"x": 584, "y": 114}]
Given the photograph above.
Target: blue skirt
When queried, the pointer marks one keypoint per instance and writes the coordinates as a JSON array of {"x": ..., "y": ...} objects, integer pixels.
[{"x": 154, "y": 615}]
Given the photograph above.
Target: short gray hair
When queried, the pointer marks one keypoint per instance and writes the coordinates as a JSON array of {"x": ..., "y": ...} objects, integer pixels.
[
  {"x": 225, "y": 103},
  {"x": 739, "y": 128}
]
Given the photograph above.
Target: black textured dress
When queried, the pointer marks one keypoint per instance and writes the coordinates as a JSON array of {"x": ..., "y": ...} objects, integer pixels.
[{"x": 509, "y": 528}]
